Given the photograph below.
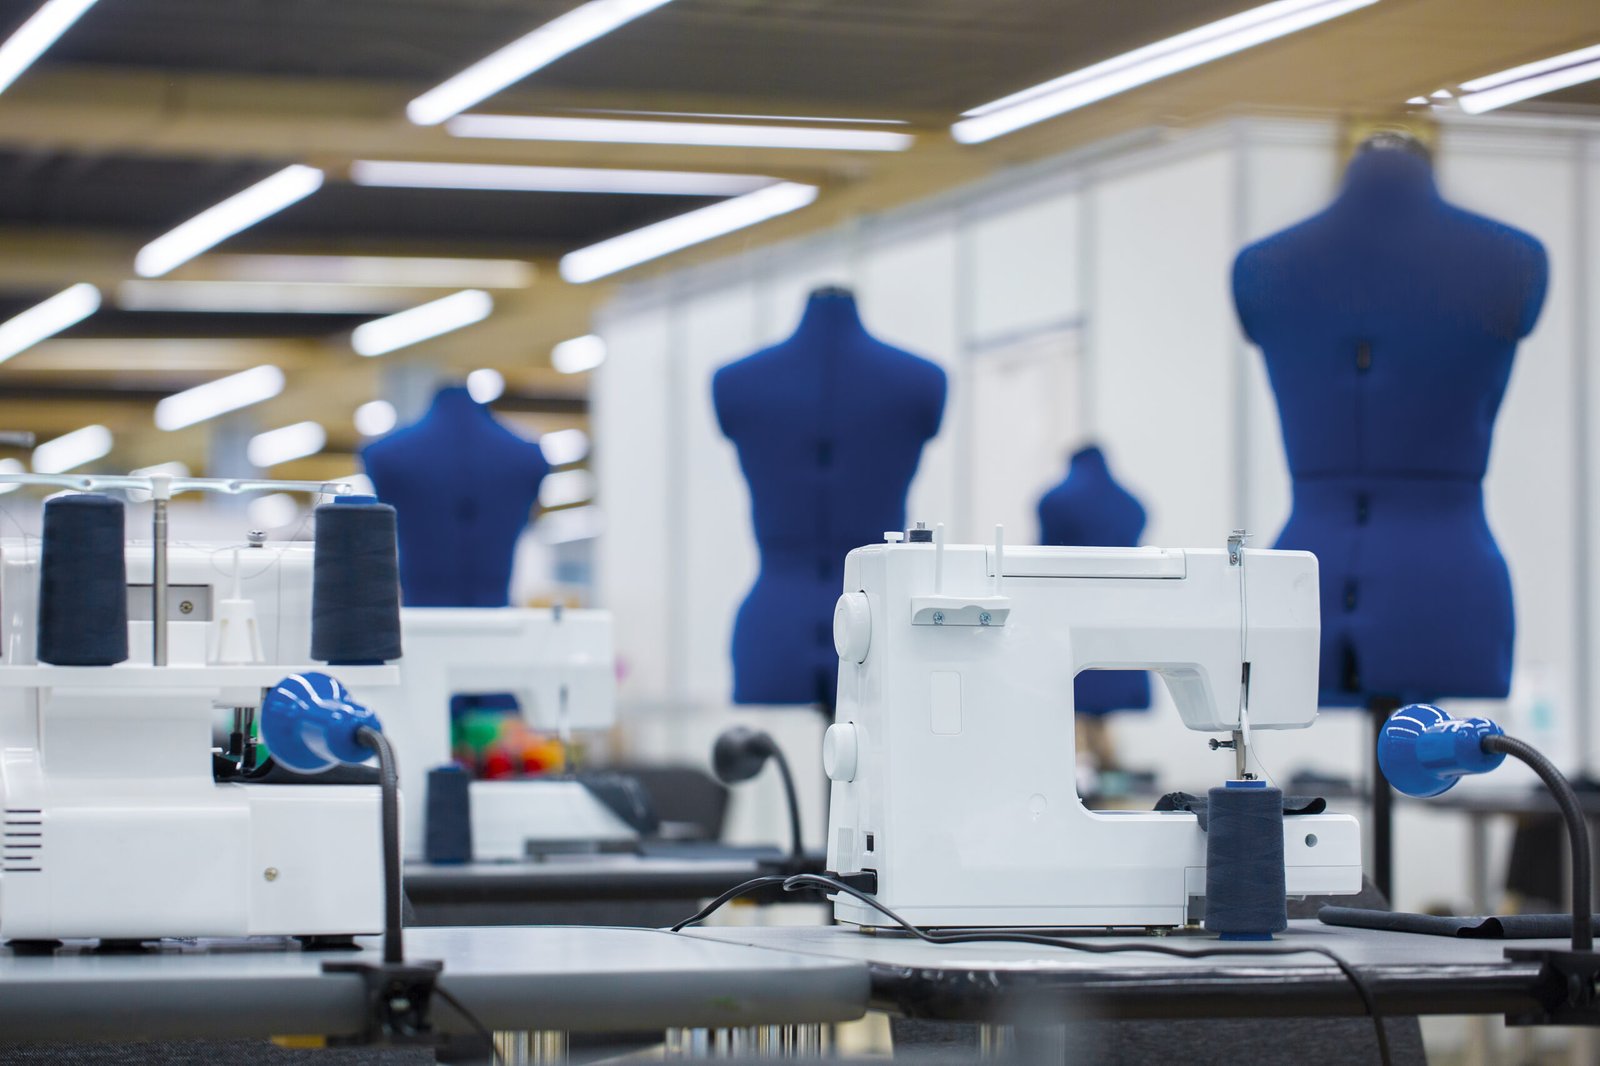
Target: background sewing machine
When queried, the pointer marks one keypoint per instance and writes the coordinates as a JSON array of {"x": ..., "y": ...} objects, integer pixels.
[
  {"x": 117, "y": 823},
  {"x": 952, "y": 755},
  {"x": 560, "y": 667}
]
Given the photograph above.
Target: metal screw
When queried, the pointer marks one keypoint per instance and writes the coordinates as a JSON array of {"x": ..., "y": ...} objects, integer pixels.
[
  {"x": 983, "y": 618},
  {"x": 938, "y": 618},
  {"x": 256, "y": 538},
  {"x": 270, "y": 873},
  {"x": 186, "y": 607}
]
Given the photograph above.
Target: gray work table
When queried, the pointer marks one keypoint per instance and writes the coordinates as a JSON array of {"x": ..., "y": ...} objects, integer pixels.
[
  {"x": 514, "y": 980},
  {"x": 1408, "y": 974}
]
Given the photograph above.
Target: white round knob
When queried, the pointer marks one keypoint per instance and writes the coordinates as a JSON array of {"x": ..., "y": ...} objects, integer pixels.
[
  {"x": 839, "y": 751},
  {"x": 852, "y": 627}
]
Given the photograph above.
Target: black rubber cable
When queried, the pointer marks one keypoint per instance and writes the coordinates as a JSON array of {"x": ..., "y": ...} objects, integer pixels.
[
  {"x": 1577, "y": 831},
  {"x": 800, "y": 881},
  {"x": 393, "y": 898},
  {"x": 796, "y": 848}
]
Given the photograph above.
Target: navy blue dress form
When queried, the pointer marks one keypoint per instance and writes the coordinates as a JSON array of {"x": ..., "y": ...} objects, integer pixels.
[
  {"x": 829, "y": 427},
  {"x": 1388, "y": 323},
  {"x": 1089, "y": 509},
  {"x": 463, "y": 487}
]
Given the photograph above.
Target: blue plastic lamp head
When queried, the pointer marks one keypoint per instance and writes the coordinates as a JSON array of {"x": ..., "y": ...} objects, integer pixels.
[
  {"x": 1424, "y": 751},
  {"x": 309, "y": 723}
]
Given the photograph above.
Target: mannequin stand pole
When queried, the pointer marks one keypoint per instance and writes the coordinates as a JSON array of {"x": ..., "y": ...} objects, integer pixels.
[{"x": 1380, "y": 708}]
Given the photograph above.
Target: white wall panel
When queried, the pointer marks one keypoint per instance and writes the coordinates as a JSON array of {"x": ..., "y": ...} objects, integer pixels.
[
  {"x": 632, "y": 453},
  {"x": 1024, "y": 267},
  {"x": 1588, "y": 305},
  {"x": 719, "y": 560},
  {"x": 1530, "y": 182},
  {"x": 1162, "y": 343},
  {"x": 908, "y": 297}
]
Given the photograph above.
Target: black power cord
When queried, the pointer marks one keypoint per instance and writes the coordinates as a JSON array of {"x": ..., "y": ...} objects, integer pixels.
[
  {"x": 398, "y": 992},
  {"x": 957, "y": 936},
  {"x": 1577, "y": 831}
]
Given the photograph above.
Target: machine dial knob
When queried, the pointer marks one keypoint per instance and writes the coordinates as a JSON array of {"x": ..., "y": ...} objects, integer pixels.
[
  {"x": 839, "y": 751},
  {"x": 852, "y": 627}
]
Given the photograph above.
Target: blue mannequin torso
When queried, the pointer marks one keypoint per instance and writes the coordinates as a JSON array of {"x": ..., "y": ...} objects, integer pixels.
[
  {"x": 1089, "y": 509},
  {"x": 463, "y": 487},
  {"x": 1388, "y": 324},
  {"x": 829, "y": 426}
]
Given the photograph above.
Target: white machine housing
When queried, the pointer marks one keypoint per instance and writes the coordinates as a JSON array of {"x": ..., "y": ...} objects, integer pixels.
[
  {"x": 952, "y": 753},
  {"x": 115, "y": 826},
  {"x": 560, "y": 665}
]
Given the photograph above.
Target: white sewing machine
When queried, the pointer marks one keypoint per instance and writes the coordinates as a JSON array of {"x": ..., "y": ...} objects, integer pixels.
[
  {"x": 952, "y": 755},
  {"x": 115, "y": 824},
  {"x": 560, "y": 666}
]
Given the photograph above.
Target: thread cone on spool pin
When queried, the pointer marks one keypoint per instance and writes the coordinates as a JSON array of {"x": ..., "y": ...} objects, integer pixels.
[
  {"x": 1246, "y": 888},
  {"x": 355, "y": 583},
  {"x": 83, "y": 582}
]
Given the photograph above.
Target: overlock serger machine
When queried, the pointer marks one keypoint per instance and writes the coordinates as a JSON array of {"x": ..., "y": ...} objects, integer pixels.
[
  {"x": 124, "y": 818},
  {"x": 951, "y": 754}
]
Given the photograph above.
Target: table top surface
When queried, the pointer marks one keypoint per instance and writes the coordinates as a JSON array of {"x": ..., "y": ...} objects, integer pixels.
[
  {"x": 553, "y": 977},
  {"x": 1410, "y": 973}
]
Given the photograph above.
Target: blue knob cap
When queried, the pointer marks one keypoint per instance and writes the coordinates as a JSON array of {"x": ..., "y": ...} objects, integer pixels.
[
  {"x": 309, "y": 723},
  {"x": 1423, "y": 751}
]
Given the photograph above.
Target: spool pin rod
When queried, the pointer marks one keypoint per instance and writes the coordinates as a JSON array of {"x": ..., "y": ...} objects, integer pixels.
[{"x": 160, "y": 493}]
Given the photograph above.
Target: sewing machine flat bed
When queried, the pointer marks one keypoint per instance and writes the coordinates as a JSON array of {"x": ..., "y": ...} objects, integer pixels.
[
  {"x": 516, "y": 980},
  {"x": 1002, "y": 983},
  {"x": 650, "y": 890}
]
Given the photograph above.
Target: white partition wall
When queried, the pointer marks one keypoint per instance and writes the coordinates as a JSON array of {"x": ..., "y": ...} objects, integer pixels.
[{"x": 1084, "y": 298}]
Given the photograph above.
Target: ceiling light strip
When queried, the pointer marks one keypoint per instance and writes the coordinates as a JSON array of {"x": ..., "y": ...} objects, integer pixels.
[
  {"x": 1515, "y": 92},
  {"x": 1150, "y": 63},
  {"x": 219, "y": 397},
  {"x": 697, "y": 134},
  {"x": 673, "y": 234},
  {"x": 524, "y": 56},
  {"x": 1528, "y": 70},
  {"x": 423, "y": 322},
  {"x": 235, "y": 214},
  {"x": 510, "y": 178},
  {"x": 34, "y": 37},
  {"x": 66, "y": 308}
]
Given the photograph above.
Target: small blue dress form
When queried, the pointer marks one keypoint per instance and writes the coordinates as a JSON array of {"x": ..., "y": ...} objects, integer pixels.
[
  {"x": 829, "y": 426},
  {"x": 463, "y": 487},
  {"x": 1089, "y": 509},
  {"x": 1388, "y": 323}
]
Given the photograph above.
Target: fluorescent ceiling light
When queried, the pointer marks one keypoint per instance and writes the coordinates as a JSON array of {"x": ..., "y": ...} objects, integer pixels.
[
  {"x": 375, "y": 418},
  {"x": 673, "y": 234},
  {"x": 72, "y": 450},
  {"x": 219, "y": 397},
  {"x": 565, "y": 488},
  {"x": 813, "y": 119},
  {"x": 713, "y": 134},
  {"x": 578, "y": 354},
  {"x": 486, "y": 385},
  {"x": 1150, "y": 63},
  {"x": 394, "y": 270},
  {"x": 525, "y": 55},
  {"x": 66, "y": 308},
  {"x": 259, "y": 297},
  {"x": 31, "y": 39},
  {"x": 216, "y": 224},
  {"x": 1543, "y": 80},
  {"x": 286, "y": 443},
  {"x": 1528, "y": 70},
  {"x": 11, "y": 466},
  {"x": 503, "y": 177},
  {"x": 564, "y": 446},
  {"x": 418, "y": 324}
]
